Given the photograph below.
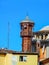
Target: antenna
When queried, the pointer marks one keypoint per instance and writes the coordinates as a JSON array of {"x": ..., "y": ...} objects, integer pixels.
[{"x": 8, "y": 34}]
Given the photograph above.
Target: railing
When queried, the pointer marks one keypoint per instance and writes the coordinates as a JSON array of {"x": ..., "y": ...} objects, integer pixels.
[{"x": 26, "y": 33}]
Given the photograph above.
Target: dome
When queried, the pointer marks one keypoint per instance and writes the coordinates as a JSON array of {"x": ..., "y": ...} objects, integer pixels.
[
  {"x": 26, "y": 19},
  {"x": 46, "y": 28}
]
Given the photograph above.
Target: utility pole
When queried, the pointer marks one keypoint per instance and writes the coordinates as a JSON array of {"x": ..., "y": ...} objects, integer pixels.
[{"x": 8, "y": 34}]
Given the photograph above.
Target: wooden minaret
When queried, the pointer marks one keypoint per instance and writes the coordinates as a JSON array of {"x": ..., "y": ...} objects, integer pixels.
[{"x": 26, "y": 34}]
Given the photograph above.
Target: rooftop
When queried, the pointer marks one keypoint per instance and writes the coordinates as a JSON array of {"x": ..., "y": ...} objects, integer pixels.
[
  {"x": 5, "y": 51},
  {"x": 27, "y": 19}
]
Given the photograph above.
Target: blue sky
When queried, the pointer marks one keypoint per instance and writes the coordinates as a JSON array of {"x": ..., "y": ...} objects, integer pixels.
[{"x": 14, "y": 11}]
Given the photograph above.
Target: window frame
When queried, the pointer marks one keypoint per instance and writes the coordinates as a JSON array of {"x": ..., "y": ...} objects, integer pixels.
[{"x": 23, "y": 58}]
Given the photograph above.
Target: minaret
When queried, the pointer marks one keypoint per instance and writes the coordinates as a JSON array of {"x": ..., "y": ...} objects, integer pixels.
[{"x": 26, "y": 34}]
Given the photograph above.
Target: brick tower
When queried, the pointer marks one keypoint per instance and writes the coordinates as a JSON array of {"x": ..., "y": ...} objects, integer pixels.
[{"x": 26, "y": 34}]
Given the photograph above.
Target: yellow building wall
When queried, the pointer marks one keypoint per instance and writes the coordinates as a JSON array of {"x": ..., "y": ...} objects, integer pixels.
[
  {"x": 8, "y": 59},
  {"x": 13, "y": 59},
  {"x": 5, "y": 59},
  {"x": 2, "y": 59},
  {"x": 31, "y": 59}
]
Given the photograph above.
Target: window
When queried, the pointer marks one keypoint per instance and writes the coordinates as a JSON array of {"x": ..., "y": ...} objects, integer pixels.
[
  {"x": 38, "y": 45},
  {"x": 14, "y": 60},
  {"x": 42, "y": 36},
  {"x": 23, "y": 58}
]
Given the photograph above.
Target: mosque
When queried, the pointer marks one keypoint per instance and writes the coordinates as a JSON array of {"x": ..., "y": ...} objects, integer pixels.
[
  {"x": 35, "y": 41},
  {"x": 35, "y": 47}
]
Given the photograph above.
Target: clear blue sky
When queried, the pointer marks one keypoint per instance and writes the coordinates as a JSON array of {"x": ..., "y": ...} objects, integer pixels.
[{"x": 14, "y": 11}]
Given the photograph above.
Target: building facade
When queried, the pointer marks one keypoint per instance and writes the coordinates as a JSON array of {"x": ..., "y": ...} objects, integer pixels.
[
  {"x": 8, "y": 57},
  {"x": 35, "y": 41},
  {"x": 35, "y": 47}
]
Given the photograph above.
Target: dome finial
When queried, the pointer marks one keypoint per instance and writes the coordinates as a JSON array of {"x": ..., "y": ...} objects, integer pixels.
[{"x": 27, "y": 17}]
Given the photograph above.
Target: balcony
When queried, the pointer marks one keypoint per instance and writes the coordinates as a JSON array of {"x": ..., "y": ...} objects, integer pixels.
[{"x": 26, "y": 34}]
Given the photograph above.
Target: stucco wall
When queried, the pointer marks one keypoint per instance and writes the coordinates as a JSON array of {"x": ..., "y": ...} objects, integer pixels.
[
  {"x": 2, "y": 59},
  {"x": 14, "y": 59}
]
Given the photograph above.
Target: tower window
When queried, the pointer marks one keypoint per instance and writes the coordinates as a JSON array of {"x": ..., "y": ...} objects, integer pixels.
[
  {"x": 42, "y": 36},
  {"x": 25, "y": 26},
  {"x": 38, "y": 45},
  {"x": 23, "y": 58},
  {"x": 46, "y": 36}
]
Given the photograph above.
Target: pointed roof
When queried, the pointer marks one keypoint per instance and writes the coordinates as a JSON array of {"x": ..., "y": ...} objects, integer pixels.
[{"x": 27, "y": 19}]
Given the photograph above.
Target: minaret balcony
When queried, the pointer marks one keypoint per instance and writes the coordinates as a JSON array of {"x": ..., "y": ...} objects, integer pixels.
[{"x": 26, "y": 34}]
